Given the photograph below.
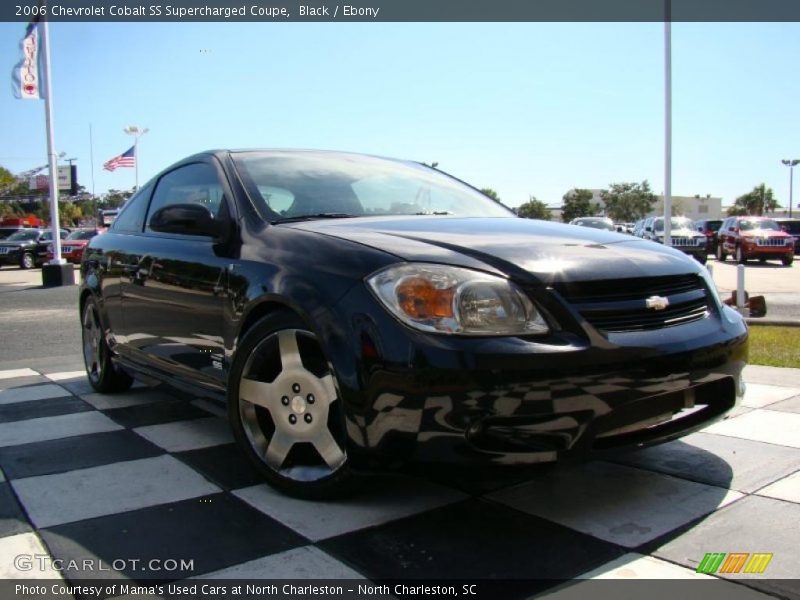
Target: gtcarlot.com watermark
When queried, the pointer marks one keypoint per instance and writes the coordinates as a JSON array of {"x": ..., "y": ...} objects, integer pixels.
[{"x": 45, "y": 562}]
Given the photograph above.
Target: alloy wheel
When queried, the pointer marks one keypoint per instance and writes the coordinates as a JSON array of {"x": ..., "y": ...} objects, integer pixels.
[
  {"x": 284, "y": 415},
  {"x": 93, "y": 347}
]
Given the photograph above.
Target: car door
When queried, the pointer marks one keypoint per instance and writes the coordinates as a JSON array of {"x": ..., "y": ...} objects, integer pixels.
[{"x": 173, "y": 294}]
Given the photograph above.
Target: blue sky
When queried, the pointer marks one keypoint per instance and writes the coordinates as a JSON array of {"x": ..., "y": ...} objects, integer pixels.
[{"x": 524, "y": 108}]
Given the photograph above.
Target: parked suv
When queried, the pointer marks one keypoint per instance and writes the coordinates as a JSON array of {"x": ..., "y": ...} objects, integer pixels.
[
  {"x": 27, "y": 247},
  {"x": 754, "y": 237},
  {"x": 682, "y": 236},
  {"x": 792, "y": 227},
  {"x": 709, "y": 228}
]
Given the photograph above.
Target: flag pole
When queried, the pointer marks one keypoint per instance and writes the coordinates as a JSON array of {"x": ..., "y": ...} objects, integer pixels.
[
  {"x": 91, "y": 157},
  {"x": 55, "y": 224}
]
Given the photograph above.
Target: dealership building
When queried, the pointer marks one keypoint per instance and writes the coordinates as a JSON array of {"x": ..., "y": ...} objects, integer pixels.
[{"x": 695, "y": 207}]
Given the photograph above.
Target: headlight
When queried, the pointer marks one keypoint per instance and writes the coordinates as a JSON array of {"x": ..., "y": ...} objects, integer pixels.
[{"x": 453, "y": 300}]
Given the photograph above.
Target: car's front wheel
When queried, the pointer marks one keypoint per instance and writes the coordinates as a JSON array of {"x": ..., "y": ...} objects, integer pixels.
[
  {"x": 787, "y": 260},
  {"x": 721, "y": 256},
  {"x": 285, "y": 409},
  {"x": 740, "y": 257},
  {"x": 102, "y": 374},
  {"x": 26, "y": 261}
]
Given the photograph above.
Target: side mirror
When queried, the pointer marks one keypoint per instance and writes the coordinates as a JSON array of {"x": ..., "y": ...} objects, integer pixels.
[{"x": 186, "y": 219}]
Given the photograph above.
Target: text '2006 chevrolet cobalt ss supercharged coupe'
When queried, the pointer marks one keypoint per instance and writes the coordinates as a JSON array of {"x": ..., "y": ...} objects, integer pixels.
[{"x": 355, "y": 311}]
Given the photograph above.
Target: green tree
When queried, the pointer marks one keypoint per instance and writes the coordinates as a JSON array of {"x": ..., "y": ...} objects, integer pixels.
[
  {"x": 577, "y": 203},
  {"x": 755, "y": 202},
  {"x": 7, "y": 180},
  {"x": 534, "y": 209},
  {"x": 491, "y": 193},
  {"x": 627, "y": 202},
  {"x": 116, "y": 198}
]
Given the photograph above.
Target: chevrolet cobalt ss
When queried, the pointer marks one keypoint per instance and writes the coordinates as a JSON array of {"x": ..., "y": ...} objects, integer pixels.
[{"x": 355, "y": 311}]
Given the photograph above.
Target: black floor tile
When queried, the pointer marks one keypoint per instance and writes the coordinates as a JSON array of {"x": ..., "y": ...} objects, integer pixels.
[
  {"x": 80, "y": 452},
  {"x": 213, "y": 532},
  {"x": 474, "y": 539},
  {"x": 155, "y": 413},
  {"x": 12, "y": 519},
  {"x": 52, "y": 407},
  {"x": 224, "y": 465}
]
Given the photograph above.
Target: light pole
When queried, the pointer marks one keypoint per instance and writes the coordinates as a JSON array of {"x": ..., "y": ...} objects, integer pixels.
[
  {"x": 136, "y": 133},
  {"x": 791, "y": 164}
]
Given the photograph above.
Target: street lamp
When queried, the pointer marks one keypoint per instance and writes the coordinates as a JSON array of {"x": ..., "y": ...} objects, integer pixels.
[
  {"x": 791, "y": 164},
  {"x": 136, "y": 133}
]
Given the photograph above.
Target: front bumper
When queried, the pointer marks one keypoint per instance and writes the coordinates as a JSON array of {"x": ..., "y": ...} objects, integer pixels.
[
  {"x": 414, "y": 397},
  {"x": 10, "y": 258},
  {"x": 768, "y": 252}
]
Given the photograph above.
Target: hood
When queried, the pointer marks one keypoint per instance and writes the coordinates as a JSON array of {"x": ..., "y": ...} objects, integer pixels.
[
  {"x": 761, "y": 233},
  {"x": 682, "y": 232},
  {"x": 516, "y": 247}
]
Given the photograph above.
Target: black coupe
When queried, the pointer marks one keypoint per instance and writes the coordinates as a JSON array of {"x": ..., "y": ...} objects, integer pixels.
[{"x": 356, "y": 311}]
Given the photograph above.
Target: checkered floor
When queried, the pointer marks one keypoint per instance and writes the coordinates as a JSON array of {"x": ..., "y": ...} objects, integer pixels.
[{"x": 146, "y": 475}]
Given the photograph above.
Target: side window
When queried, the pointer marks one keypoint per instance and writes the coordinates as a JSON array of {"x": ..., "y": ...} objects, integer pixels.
[
  {"x": 131, "y": 216},
  {"x": 47, "y": 236},
  {"x": 192, "y": 184}
]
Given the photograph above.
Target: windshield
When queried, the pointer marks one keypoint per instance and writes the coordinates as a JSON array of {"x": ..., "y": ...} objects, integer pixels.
[
  {"x": 23, "y": 235},
  {"x": 713, "y": 225},
  {"x": 294, "y": 185},
  {"x": 81, "y": 235},
  {"x": 765, "y": 224},
  {"x": 675, "y": 223},
  {"x": 596, "y": 224}
]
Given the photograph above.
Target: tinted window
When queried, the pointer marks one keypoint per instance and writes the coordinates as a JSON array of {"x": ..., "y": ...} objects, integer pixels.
[
  {"x": 131, "y": 217},
  {"x": 192, "y": 184},
  {"x": 766, "y": 224},
  {"x": 791, "y": 226},
  {"x": 323, "y": 183},
  {"x": 81, "y": 235}
]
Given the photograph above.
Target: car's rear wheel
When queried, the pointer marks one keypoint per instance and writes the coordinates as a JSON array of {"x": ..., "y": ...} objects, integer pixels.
[
  {"x": 787, "y": 260},
  {"x": 285, "y": 409},
  {"x": 26, "y": 261},
  {"x": 721, "y": 256},
  {"x": 740, "y": 258},
  {"x": 701, "y": 259},
  {"x": 102, "y": 374}
]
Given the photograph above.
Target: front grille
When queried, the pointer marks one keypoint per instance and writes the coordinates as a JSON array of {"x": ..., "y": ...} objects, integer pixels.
[
  {"x": 684, "y": 241},
  {"x": 771, "y": 241},
  {"x": 622, "y": 305}
]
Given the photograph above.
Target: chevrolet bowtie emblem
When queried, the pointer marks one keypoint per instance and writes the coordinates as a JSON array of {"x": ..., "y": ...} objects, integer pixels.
[{"x": 657, "y": 302}]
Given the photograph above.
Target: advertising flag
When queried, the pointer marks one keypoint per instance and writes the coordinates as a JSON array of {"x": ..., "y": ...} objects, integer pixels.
[{"x": 27, "y": 80}]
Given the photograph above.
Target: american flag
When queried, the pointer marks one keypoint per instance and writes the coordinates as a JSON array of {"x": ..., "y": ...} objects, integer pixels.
[{"x": 126, "y": 159}]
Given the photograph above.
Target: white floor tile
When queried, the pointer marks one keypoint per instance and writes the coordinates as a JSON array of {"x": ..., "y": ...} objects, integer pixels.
[
  {"x": 25, "y": 557},
  {"x": 762, "y": 425},
  {"x": 66, "y": 375},
  {"x": 53, "y": 428},
  {"x": 639, "y": 566},
  {"x": 188, "y": 435},
  {"x": 759, "y": 395},
  {"x": 14, "y": 373},
  {"x": 787, "y": 489},
  {"x": 109, "y": 489},
  {"x": 387, "y": 499},
  {"x": 306, "y": 562},
  {"x": 32, "y": 392},
  {"x": 623, "y": 505}
]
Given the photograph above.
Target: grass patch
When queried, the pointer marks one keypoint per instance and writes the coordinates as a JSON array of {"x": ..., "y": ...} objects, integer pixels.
[{"x": 775, "y": 346}]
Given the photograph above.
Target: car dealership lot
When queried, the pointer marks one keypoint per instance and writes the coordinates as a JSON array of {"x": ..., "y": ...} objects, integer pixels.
[{"x": 148, "y": 475}]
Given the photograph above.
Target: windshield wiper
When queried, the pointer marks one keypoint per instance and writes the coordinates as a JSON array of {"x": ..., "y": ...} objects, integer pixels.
[
  {"x": 327, "y": 215},
  {"x": 434, "y": 212}
]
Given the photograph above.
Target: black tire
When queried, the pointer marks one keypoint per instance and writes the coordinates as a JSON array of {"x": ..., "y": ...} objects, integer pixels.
[
  {"x": 291, "y": 425},
  {"x": 721, "y": 256},
  {"x": 701, "y": 259},
  {"x": 103, "y": 375},
  {"x": 740, "y": 257},
  {"x": 787, "y": 260},
  {"x": 26, "y": 261}
]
